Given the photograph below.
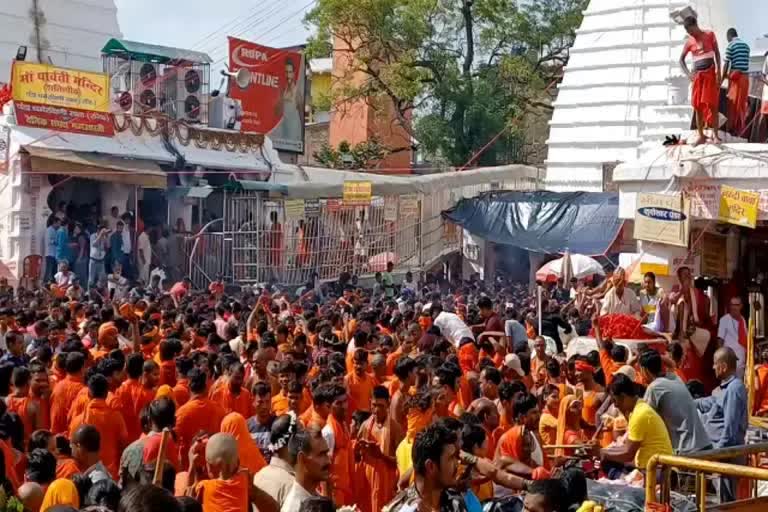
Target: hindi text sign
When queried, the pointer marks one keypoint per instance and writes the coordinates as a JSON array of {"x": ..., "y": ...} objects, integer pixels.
[
  {"x": 357, "y": 193},
  {"x": 738, "y": 207},
  {"x": 662, "y": 218}
]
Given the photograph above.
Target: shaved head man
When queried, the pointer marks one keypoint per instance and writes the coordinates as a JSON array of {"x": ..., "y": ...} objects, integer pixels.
[
  {"x": 725, "y": 413},
  {"x": 31, "y": 495}
]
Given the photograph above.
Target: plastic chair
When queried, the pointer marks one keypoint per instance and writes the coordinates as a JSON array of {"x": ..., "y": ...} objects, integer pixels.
[{"x": 31, "y": 270}]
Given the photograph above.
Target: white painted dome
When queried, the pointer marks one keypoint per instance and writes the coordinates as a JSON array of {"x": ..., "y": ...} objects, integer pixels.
[
  {"x": 72, "y": 32},
  {"x": 618, "y": 95}
]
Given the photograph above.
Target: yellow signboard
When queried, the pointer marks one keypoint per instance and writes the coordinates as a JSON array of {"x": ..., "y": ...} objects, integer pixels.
[
  {"x": 357, "y": 193},
  {"x": 662, "y": 218},
  {"x": 738, "y": 206},
  {"x": 59, "y": 87},
  {"x": 294, "y": 209}
]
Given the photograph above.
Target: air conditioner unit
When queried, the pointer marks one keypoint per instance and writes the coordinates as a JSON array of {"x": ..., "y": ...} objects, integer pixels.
[
  {"x": 145, "y": 87},
  {"x": 121, "y": 83},
  {"x": 192, "y": 95}
]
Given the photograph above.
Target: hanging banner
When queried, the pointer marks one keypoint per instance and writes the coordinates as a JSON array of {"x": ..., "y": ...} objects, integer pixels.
[
  {"x": 357, "y": 193},
  {"x": 42, "y": 84},
  {"x": 738, "y": 207},
  {"x": 64, "y": 119},
  {"x": 390, "y": 209},
  {"x": 273, "y": 102},
  {"x": 662, "y": 218},
  {"x": 294, "y": 209},
  {"x": 409, "y": 205}
]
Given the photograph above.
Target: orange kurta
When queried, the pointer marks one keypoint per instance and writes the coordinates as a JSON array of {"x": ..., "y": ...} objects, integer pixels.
[
  {"x": 66, "y": 467},
  {"x": 133, "y": 397},
  {"x": 609, "y": 366},
  {"x": 111, "y": 427},
  {"x": 761, "y": 391},
  {"x": 224, "y": 495},
  {"x": 62, "y": 397},
  {"x": 168, "y": 373},
  {"x": 181, "y": 392},
  {"x": 250, "y": 455},
  {"x": 196, "y": 415},
  {"x": 280, "y": 404},
  {"x": 341, "y": 463},
  {"x": 241, "y": 403},
  {"x": 20, "y": 406},
  {"x": 381, "y": 475},
  {"x": 360, "y": 391}
]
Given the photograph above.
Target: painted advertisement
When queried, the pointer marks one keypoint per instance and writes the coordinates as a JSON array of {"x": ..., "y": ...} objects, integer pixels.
[
  {"x": 662, "y": 218},
  {"x": 273, "y": 102}
]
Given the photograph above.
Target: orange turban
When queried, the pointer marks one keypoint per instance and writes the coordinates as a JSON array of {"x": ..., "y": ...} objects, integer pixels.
[
  {"x": 126, "y": 311},
  {"x": 165, "y": 391},
  {"x": 107, "y": 333},
  {"x": 418, "y": 420},
  {"x": 583, "y": 366}
]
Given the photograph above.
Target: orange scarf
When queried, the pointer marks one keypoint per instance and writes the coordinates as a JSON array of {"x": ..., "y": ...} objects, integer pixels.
[{"x": 417, "y": 421}]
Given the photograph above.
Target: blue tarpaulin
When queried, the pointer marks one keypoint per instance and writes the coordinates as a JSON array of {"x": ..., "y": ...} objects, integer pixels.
[{"x": 541, "y": 221}]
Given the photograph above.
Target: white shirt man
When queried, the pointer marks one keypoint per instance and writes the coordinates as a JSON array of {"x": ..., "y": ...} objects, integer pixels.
[
  {"x": 144, "y": 250},
  {"x": 624, "y": 303},
  {"x": 732, "y": 329},
  {"x": 452, "y": 327}
]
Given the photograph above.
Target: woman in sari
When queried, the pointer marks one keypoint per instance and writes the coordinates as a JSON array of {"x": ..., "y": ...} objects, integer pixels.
[
  {"x": 569, "y": 431},
  {"x": 548, "y": 422}
]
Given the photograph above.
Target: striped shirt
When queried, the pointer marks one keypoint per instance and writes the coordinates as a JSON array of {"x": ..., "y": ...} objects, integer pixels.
[{"x": 737, "y": 55}]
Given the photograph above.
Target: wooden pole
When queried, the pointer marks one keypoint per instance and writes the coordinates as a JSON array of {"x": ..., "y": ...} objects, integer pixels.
[{"x": 165, "y": 437}]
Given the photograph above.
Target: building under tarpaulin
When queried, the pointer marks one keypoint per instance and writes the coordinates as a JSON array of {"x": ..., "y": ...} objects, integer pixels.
[{"x": 540, "y": 222}]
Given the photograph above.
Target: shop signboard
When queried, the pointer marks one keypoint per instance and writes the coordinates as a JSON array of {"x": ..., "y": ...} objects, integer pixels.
[
  {"x": 738, "y": 207},
  {"x": 294, "y": 209},
  {"x": 312, "y": 208},
  {"x": 273, "y": 102},
  {"x": 65, "y": 100},
  {"x": 357, "y": 193},
  {"x": 662, "y": 218},
  {"x": 704, "y": 197}
]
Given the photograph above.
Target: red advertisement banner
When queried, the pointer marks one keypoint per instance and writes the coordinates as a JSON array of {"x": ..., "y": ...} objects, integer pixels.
[
  {"x": 273, "y": 102},
  {"x": 64, "y": 119}
]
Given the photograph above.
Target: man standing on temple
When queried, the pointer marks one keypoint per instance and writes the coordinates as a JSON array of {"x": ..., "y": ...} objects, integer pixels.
[
  {"x": 736, "y": 69},
  {"x": 705, "y": 99}
]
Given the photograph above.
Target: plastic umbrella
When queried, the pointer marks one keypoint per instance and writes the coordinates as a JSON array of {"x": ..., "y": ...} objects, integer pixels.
[{"x": 581, "y": 267}]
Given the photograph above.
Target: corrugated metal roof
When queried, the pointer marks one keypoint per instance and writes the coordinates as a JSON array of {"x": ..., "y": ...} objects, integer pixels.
[{"x": 153, "y": 52}]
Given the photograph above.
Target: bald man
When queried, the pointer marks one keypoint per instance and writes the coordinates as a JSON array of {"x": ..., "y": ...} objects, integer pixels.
[
  {"x": 31, "y": 495},
  {"x": 229, "y": 489},
  {"x": 724, "y": 414}
]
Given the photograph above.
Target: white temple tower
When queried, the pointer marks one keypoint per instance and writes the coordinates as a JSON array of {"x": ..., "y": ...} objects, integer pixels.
[
  {"x": 69, "y": 32},
  {"x": 622, "y": 91}
]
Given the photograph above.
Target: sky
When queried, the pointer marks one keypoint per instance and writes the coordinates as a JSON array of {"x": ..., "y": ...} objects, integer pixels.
[{"x": 204, "y": 25}]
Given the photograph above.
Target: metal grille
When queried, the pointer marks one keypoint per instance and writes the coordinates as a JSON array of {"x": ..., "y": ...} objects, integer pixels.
[{"x": 265, "y": 239}]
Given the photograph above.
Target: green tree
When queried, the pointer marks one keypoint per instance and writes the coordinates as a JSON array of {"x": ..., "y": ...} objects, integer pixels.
[
  {"x": 363, "y": 155},
  {"x": 456, "y": 72}
]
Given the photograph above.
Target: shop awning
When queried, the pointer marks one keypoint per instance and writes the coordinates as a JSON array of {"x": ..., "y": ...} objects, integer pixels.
[
  {"x": 541, "y": 221},
  {"x": 97, "y": 166}
]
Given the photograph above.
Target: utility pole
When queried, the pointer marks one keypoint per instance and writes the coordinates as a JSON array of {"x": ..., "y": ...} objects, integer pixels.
[{"x": 37, "y": 20}]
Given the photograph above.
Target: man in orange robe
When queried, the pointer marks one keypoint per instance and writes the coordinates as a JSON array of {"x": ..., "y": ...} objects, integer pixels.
[
  {"x": 232, "y": 396},
  {"x": 336, "y": 434},
  {"x": 316, "y": 416},
  {"x": 761, "y": 386},
  {"x": 377, "y": 442},
  {"x": 285, "y": 375},
  {"x": 64, "y": 393},
  {"x": 405, "y": 372},
  {"x": 21, "y": 403},
  {"x": 199, "y": 414},
  {"x": 137, "y": 391},
  {"x": 167, "y": 353},
  {"x": 107, "y": 338},
  {"x": 181, "y": 389},
  {"x": 109, "y": 422},
  {"x": 359, "y": 383},
  {"x": 110, "y": 369},
  {"x": 513, "y": 443},
  {"x": 40, "y": 393}
]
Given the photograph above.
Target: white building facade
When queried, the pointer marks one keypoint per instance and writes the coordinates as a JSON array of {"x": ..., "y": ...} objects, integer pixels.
[
  {"x": 623, "y": 91},
  {"x": 69, "y": 33}
]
